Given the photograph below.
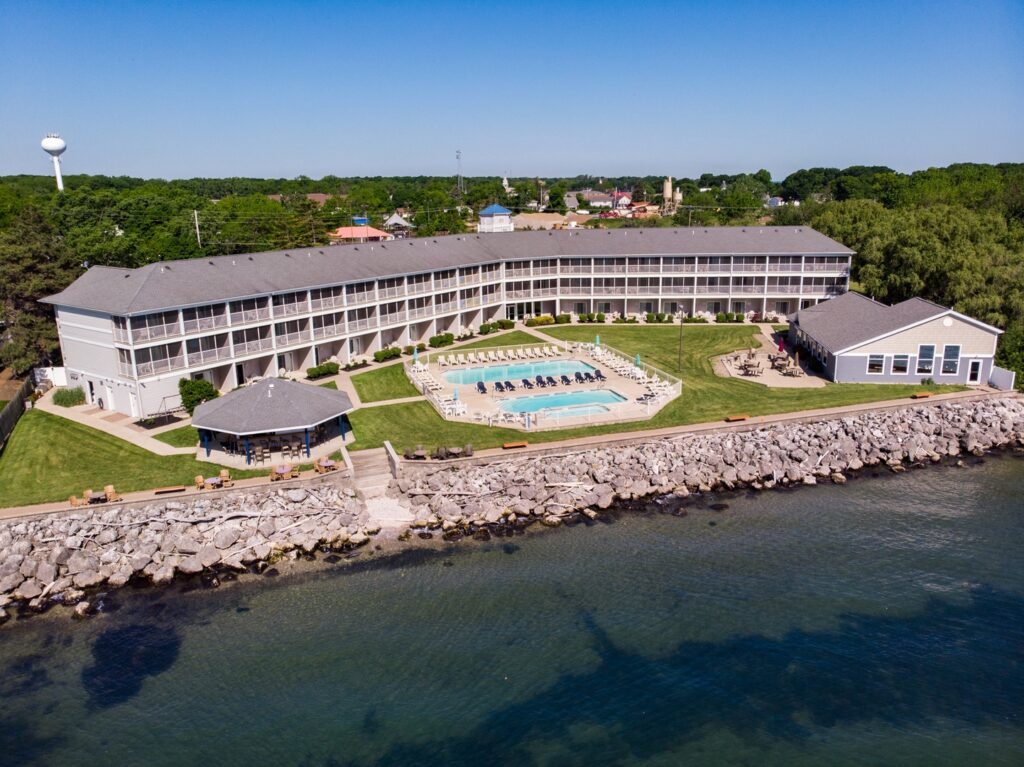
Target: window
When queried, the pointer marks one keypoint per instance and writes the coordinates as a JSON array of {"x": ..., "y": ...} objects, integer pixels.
[
  {"x": 925, "y": 360},
  {"x": 950, "y": 360},
  {"x": 901, "y": 364},
  {"x": 876, "y": 364}
]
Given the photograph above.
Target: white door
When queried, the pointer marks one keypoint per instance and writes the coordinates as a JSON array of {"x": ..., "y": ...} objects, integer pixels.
[
  {"x": 110, "y": 397},
  {"x": 133, "y": 403},
  {"x": 974, "y": 372}
]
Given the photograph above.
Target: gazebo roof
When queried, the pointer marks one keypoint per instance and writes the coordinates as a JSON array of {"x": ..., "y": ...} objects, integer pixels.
[{"x": 270, "y": 405}]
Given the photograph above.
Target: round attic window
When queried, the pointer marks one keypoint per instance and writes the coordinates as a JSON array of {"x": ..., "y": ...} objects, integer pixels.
[{"x": 947, "y": 322}]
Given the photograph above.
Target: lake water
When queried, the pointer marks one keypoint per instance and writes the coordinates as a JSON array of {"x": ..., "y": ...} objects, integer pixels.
[{"x": 877, "y": 623}]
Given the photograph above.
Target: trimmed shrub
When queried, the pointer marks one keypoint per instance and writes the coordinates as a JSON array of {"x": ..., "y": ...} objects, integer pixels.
[
  {"x": 694, "y": 320},
  {"x": 69, "y": 397},
  {"x": 408, "y": 349},
  {"x": 195, "y": 391},
  {"x": 387, "y": 354},
  {"x": 486, "y": 328},
  {"x": 563, "y": 319},
  {"x": 505, "y": 324},
  {"x": 600, "y": 317},
  {"x": 649, "y": 317},
  {"x": 356, "y": 365},
  {"x": 442, "y": 339},
  {"x": 323, "y": 370},
  {"x": 660, "y": 316},
  {"x": 540, "y": 319}
]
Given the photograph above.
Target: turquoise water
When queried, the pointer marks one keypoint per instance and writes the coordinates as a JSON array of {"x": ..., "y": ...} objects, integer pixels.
[
  {"x": 564, "y": 403},
  {"x": 880, "y": 623},
  {"x": 517, "y": 371}
]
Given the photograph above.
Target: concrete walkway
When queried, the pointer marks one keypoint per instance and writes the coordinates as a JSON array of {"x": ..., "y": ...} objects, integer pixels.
[{"x": 115, "y": 424}]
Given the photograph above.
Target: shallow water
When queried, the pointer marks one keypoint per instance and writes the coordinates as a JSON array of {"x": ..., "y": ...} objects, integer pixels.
[{"x": 877, "y": 623}]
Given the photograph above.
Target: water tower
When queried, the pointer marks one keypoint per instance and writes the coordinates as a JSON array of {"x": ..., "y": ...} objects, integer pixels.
[{"x": 54, "y": 146}]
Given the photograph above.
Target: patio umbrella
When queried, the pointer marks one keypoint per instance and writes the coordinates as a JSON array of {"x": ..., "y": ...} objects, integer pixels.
[
  {"x": 416, "y": 355},
  {"x": 782, "y": 344},
  {"x": 597, "y": 340},
  {"x": 637, "y": 360},
  {"x": 455, "y": 393}
]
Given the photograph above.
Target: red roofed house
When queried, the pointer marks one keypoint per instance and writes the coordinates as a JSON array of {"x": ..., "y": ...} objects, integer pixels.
[{"x": 359, "y": 234}]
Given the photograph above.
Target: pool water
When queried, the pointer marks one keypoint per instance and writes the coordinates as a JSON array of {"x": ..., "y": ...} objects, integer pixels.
[
  {"x": 565, "y": 404},
  {"x": 517, "y": 371}
]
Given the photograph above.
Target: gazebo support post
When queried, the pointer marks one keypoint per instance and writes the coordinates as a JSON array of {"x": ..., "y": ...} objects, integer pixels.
[
  {"x": 248, "y": 452},
  {"x": 341, "y": 427},
  {"x": 204, "y": 435},
  {"x": 307, "y": 442}
]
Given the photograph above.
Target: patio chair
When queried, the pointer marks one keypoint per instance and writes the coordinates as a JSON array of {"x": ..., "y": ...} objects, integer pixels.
[
  {"x": 481, "y": 387},
  {"x": 441, "y": 453},
  {"x": 111, "y": 494},
  {"x": 599, "y": 375},
  {"x": 509, "y": 386},
  {"x": 225, "y": 478},
  {"x": 467, "y": 451},
  {"x": 492, "y": 357},
  {"x": 408, "y": 455},
  {"x": 462, "y": 359},
  {"x": 442, "y": 361},
  {"x": 539, "y": 380},
  {"x": 590, "y": 378},
  {"x": 550, "y": 381},
  {"x": 501, "y": 355},
  {"x": 526, "y": 383},
  {"x": 472, "y": 358},
  {"x": 579, "y": 377},
  {"x": 499, "y": 387},
  {"x": 200, "y": 482},
  {"x": 74, "y": 501},
  {"x": 565, "y": 381}
]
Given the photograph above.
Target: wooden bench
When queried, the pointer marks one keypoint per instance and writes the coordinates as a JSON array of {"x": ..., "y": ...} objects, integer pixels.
[
  {"x": 512, "y": 445},
  {"x": 921, "y": 395},
  {"x": 735, "y": 418},
  {"x": 169, "y": 489}
]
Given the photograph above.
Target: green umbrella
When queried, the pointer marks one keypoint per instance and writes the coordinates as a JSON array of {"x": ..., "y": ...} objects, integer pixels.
[
  {"x": 597, "y": 341},
  {"x": 637, "y": 360}
]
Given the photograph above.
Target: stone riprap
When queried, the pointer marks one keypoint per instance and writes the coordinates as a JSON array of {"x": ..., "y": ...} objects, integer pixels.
[
  {"x": 62, "y": 557},
  {"x": 549, "y": 488}
]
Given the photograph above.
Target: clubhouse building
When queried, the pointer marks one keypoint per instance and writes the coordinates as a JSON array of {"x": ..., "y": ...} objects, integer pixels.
[{"x": 128, "y": 335}]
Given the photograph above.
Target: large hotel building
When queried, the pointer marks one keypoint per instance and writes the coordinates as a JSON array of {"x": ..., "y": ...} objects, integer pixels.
[{"x": 128, "y": 335}]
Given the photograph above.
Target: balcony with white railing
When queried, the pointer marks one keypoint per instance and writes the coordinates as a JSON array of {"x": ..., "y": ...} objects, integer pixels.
[
  {"x": 612, "y": 269},
  {"x": 451, "y": 282},
  {"x": 678, "y": 290},
  {"x": 783, "y": 289},
  {"x": 393, "y": 292},
  {"x": 451, "y": 306},
  {"x": 517, "y": 274},
  {"x": 121, "y": 335},
  {"x": 329, "y": 331},
  {"x": 518, "y": 294},
  {"x": 204, "y": 356},
  {"x": 576, "y": 269},
  {"x": 603, "y": 291},
  {"x": 254, "y": 346},
  {"x": 290, "y": 309},
  {"x": 328, "y": 302},
  {"x": 362, "y": 297},
  {"x": 246, "y": 316},
  {"x": 416, "y": 288},
  {"x": 423, "y": 311},
  {"x": 156, "y": 367},
  {"x": 713, "y": 267},
  {"x": 748, "y": 268},
  {"x": 836, "y": 268},
  {"x": 644, "y": 268},
  {"x": 153, "y": 332},
  {"x": 748, "y": 288},
  {"x": 469, "y": 303},
  {"x": 393, "y": 318},
  {"x": 202, "y": 324},
  {"x": 784, "y": 267},
  {"x": 124, "y": 369},
  {"x": 470, "y": 279},
  {"x": 644, "y": 290},
  {"x": 678, "y": 268},
  {"x": 287, "y": 339},
  {"x": 362, "y": 324},
  {"x": 545, "y": 270}
]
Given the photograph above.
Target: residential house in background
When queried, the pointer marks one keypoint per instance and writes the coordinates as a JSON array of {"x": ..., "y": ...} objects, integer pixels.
[
  {"x": 399, "y": 226},
  {"x": 858, "y": 340},
  {"x": 495, "y": 218},
  {"x": 358, "y": 233}
]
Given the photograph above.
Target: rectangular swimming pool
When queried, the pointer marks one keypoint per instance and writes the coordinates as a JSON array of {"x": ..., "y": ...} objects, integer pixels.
[
  {"x": 564, "y": 404},
  {"x": 517, "y": 371}
]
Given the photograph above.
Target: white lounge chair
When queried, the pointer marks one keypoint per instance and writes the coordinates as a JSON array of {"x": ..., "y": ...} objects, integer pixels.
[
  {"x": 501, "y": 355},
  {"x": 462, "y": 359},
  {"x": 472, "y": 358},
  {"x": 492, "y": 356}
]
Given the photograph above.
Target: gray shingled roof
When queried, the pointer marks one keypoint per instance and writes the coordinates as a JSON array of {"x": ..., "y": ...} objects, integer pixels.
[
  {"x": 170, "y": 284},
  {"x": 852, "y": 319},
  {"x": 271, "y": 405}
]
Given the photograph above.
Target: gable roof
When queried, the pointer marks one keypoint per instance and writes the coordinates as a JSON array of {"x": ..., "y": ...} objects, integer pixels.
[
  {"x": 495, "y": 210},
  {"x": 852, "y": 320},
  {"x": 269, "y": 405},
  {"x": 361, "y": 231},
  {"x": 188, "y": 282},
  {"x": 396, "y": 220}
]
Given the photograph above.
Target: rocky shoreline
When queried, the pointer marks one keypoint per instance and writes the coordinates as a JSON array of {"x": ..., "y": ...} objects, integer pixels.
[{"x": 66, "y": 558}]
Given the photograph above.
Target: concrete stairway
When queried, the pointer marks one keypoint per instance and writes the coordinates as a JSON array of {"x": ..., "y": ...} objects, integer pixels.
[{"x": 371, "y": 473}]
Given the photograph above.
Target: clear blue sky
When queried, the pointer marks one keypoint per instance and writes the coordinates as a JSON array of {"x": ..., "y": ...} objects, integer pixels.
[{"x": 181, "y": 89}]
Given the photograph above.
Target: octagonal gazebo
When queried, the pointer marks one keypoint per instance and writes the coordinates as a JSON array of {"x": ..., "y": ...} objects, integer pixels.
[{"x": 274, "y": 408}]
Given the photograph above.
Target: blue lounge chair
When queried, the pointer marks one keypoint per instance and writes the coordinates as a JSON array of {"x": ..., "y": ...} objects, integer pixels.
[
  {"x": 499, "y": 386},
  {"x": 509, "y": 386},
  {"x": 526, "y": 383},
  {"x": 565, "y": 381},
  {"x": 579, "y": 377},
  {"x": 551, "y": 381},
  {"x": 539, "y": 380},
  {"x": 599, "y": 375},
  {"x": 480, "y": 387},
  {"x": 590, "y": 378}
]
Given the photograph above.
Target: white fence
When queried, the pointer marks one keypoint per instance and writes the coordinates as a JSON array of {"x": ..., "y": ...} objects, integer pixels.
[{"x": 1001, "y": 378}]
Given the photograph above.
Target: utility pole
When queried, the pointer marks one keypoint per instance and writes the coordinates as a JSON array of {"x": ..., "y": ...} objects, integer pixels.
[{"x": 195, "y": 217}]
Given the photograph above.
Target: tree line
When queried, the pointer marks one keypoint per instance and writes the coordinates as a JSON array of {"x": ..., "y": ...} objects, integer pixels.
[{"x": 953, "y": 235}]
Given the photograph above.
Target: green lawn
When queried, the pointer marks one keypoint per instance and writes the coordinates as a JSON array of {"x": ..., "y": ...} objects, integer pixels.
[
  {"x": 329, "y": 385},
  {"x": 183, "y": 436},
  {"x": 512, "y": 338},
  {"x": 388, "y": 382},
  {"x": 705, "y": 397},
  {"x": 49, "y": 458}
]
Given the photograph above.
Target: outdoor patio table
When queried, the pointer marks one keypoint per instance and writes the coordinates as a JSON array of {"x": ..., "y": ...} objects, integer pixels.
[
  {"x": 214, "y": 481},
  {"x": 97, "y": 497},
  {"x": 282, "y": 469},
  {"x": 455, "y": 451},
  {"x": 420, "y": 454},
  {"x": 327, "y": 462}
]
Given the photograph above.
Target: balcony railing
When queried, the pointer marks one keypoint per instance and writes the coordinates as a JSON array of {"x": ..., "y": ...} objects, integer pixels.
[
  {"x": 250, "y": 315},
  {"x": 517, "y": 274},
  {"x": 713, "y": 267},
  {"x": 287, "y": 339},
  {"x": 124, "y": 369},
  {"x": 451, "y": 282},
  {"x": 645, "y": 290},
  {"x": 602, "y": 291},
  {"x": 748, "y": 268},
  {"x": 676, "y": 290},
  {"x": 393, "y": 318},
  {"x": 613, "y": 269},
  {"x": 329, "y": 331},
  {"x": 327, "y": 302},
  {"x": 159, "y": 366},
  {"x": 362, "y": 297},
  {"x": 469, "y": 303},
  {"x": 545, "y": 270},
  {"x": 783, "y": 289},
  {"x": 576, "y": 269},
  {"x": 748, "y": 288},
  {"x": 209, "y": 355},
  {"x": 251, "y": 347},
  {"x": 362, "y": 324},
  {"x": 514, "y": 294},
  {"x": 152, "y": 332},
  {"x": 678, "y": 268},
  {"x": 200, "y": 324},
  {"x": 423, "y": 311},
  {"x": 394, "y": 292},
  {"x": 448, "y": 307},
  {"x": 826, "y": 268},
  {"x": 415, "y": 288},
  {"x": 470, "y": 279},
  {"x": 287, "y": 310},
  {"x": 784, "y": 267},
  {"x": 120, "y": 335},
  {"x": 644, "y": 268}
]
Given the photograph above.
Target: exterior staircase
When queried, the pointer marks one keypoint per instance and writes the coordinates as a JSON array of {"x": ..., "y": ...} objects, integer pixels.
[{"x": 371, "y": 472}]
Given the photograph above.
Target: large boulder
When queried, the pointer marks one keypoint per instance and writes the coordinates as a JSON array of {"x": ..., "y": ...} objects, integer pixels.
[{"x": 225, "y": 537}]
